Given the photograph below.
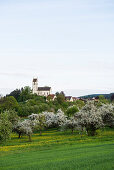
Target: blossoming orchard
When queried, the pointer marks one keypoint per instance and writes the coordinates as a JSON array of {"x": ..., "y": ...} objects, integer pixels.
[{"x": 87, "y": 120}]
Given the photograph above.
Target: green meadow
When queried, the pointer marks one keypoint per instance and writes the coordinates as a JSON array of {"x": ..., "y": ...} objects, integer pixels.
[{"x": 56, "y": 150}]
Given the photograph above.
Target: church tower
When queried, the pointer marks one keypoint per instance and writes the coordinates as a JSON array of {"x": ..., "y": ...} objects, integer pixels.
[{"x": 35, "y": 85}]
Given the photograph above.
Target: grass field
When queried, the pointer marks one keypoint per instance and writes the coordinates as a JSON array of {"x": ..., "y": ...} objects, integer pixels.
[{"x": 56, "y": 150}]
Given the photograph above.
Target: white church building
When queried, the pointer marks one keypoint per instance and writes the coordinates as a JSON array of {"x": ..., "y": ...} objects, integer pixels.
[{"x": 41, "y": 91}]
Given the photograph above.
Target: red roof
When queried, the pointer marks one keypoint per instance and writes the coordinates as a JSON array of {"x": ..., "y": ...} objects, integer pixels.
[{"x": 51, "y": 95}]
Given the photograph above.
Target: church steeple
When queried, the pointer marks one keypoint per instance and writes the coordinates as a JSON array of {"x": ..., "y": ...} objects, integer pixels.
[{"x": 35, "y": 85}]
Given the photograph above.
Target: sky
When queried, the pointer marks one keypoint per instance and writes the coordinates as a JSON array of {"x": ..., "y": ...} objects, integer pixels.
[{"x": 67, "y": 44}]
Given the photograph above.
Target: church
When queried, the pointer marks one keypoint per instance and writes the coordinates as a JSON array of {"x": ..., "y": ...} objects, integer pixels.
[{"x": 41, "y": 91}]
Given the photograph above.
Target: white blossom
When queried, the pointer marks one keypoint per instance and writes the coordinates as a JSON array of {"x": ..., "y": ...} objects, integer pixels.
[
  {"x": 90, "y": 118},
  {"x": 23, "y": 128}
]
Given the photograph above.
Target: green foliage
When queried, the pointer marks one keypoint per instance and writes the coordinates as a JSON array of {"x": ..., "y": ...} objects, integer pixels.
[
  {"x": 49, "y": 98},
  {"x": 26, "y": 109},
  {"x": 13, "y": 117},
  {"x": 29, "y": 103},
  {"x": 60, "y": 97},
  {"x": 103, "y": 100},
  {"x": 72, "y": 110},
  {"x": 16, "y": 94},
  {"x": 35, "y": 99},
  {"x": 107, "y": 96},
  {"x": 5, "y": 126},
  {"x": 25, "y": 94},
  {"x": 79, "y": 103},
  {"x": 7, "y": 103}
]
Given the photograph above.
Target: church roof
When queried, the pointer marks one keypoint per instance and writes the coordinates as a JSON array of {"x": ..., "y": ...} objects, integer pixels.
[
  {"x": 35, "y": 80},
  {"x": 44, "y": 88}
]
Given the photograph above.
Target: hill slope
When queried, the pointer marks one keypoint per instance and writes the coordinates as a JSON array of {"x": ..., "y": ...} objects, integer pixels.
[{"x": 107, "y": 96}]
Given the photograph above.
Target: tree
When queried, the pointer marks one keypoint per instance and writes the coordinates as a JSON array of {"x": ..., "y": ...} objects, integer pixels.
[
  {"x": 49, "y": 98},
  {"x": 26, "y": 94},
  {"x": 89, "y": 118},
  {"x": 79, "y": 103},
  {"x": 70, "y": 124},
  {"x": 23, "y": 128},
  {"x": 60, "y": 97},
  {"x": 40, "y": 123},
  {"x": 13, "y": 117},
  {"x": 107, "y": 113},
  {"x": 60, "y": 118},
  {"x": 16, "y": 94},
  {"x": 5, "y": 126},
  {"x": 102, "y": 99},
  {"x": 62, "y": 92},
  {"x": 8, "y": 103},
  {"x": 112, "y": 97},
  {"x": 72, "y": 110},
  {"x": 48, "y": 119}
]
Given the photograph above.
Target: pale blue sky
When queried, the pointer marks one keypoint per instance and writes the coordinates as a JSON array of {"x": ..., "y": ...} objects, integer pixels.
[{"x": 67, "y": 44}]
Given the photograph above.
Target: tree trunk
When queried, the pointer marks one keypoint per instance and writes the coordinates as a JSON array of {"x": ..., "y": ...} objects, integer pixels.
[
  {"x": 91, "y": 132},
  {"x": 29, "y": 138},
  {"x": 72, "y": 131},
  {"x": 40, "y": 133},
  {"x": 19, "y": 135}
]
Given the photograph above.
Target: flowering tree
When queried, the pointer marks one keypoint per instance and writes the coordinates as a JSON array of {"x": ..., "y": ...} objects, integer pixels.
[
  {"x": 40, "y": 123},
  {"x": 107, "y": 113},
  {"x": 24, "y": 128},
  {"x": 70, "y": 124},
  {"x": 50, "y": 119},
  {"x": 60, "y": 118},
  {"x": 55, "y": 120},
  {"x": 89, "y": 118},
  {"x": 33, "y": 116}
]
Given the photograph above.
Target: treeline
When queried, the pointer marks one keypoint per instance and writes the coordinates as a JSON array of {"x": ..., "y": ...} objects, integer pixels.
[
  {"x": 25, "y": 103},
  {"x": 107, "y": 96}
]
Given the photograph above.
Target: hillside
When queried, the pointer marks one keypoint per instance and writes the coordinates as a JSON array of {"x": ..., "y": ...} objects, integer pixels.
[{"x": 107, "y": 96}]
